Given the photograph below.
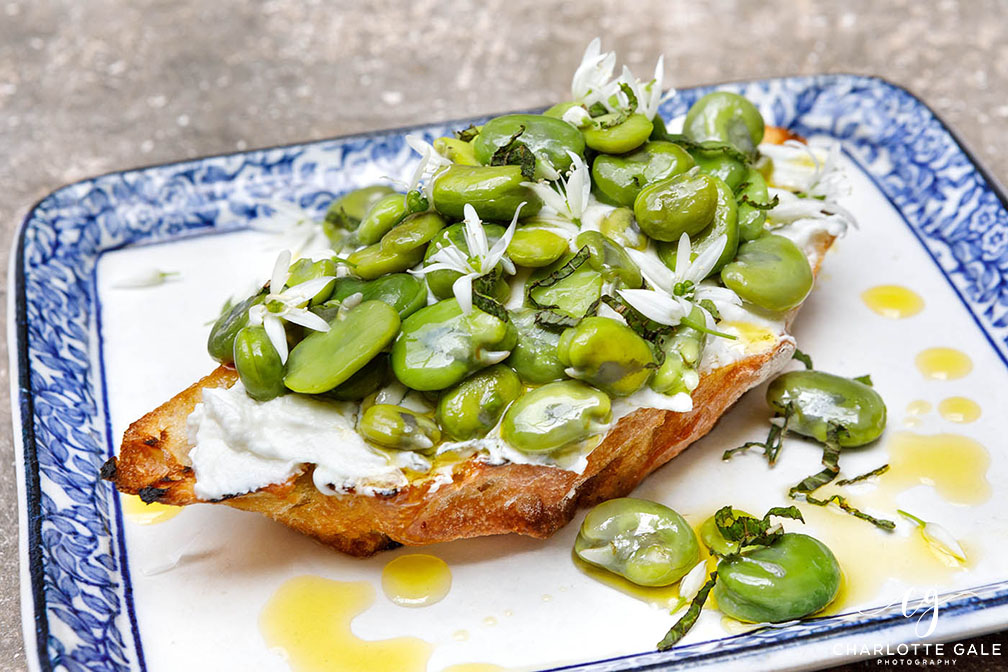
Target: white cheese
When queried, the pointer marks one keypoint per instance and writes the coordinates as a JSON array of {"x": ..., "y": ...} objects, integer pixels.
[{"x": 241, "y": 444}]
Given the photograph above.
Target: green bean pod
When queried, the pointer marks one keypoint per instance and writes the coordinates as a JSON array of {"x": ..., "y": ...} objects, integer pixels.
[
  {"x": 796, "y": 576},
  {"x": 644, "y": 542},
  {"x": 725, "y": 224},
  {"x": 770, "y": 272},
  {"x": 323, "y": 360},
  {"x": 304, "y": 270},
  {"x": 373, "y": 262},
  {"x": 258, "y": 363},
  {"x": 535, "y": 244},
  {"x": 473, "y": 407},
  {"x": 683, "y": 351},
  {"x": 439, "y": 346},
  {"x": 608, "y": 354},
  {"x": 683, "y": 203},
  {"x": 625, "y": 136},
  {"x": 399, "y": 428},
  {"x": 384, "y": 214},
  {"x": 751, "y": 219},
  {"x": 220, "y": 343},
  {"x": 495, "y": 192},
  {"x": 546, "y": 137},
  {"x": 726, "y": 117},
  {"x": 555, "y": 416},
  {"x": 610, "y": 259},
  {"x": 534, "y": 356},
  {"x": 415, "y": 231},
  {"x": 617, "y": 180},
  {"x": 820, "y": 402},
  {"x": 347, "y": 211}
]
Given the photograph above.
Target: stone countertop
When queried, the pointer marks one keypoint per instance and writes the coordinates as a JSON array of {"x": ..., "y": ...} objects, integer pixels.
[{"x": 90, "y": 87}]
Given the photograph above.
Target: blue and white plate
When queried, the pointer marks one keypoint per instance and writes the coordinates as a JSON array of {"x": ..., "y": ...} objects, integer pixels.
[{"x": 102, "y": 592}]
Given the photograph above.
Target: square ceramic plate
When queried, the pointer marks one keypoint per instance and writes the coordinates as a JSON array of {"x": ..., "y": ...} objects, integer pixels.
[{"x": 101, "y": 591}]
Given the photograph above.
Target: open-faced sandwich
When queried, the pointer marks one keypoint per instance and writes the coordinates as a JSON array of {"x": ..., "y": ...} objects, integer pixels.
[{"x": 558, "y": 304}]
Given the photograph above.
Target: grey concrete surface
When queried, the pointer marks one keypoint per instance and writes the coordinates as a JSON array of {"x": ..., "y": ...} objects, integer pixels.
[{"x": 92, "y": 86}]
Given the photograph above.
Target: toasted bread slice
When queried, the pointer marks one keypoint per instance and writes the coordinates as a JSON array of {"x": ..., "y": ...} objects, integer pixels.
[{"x": 481, "y": 499}]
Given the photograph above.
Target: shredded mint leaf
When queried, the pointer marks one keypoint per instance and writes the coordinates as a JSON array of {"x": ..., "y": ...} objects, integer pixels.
[
  {"x": 749, "y": 531},
  {"x": 842, "y": 502},
  {"x": 865, "y": 476},
  {"x": 831, "y": 467},
  {"x": 774, "y": 441},
  {"x": 515, "y": 153},
  {"x": 556, "y": 276},
  {"x": 689, "y": 619},
  {"x": 866, "y": 379},
  {"x": 555, "y": 322},
  {"x": 709, "y": 147},
  {"x": 467, "y": 134},
  {"x": 803, "y": 358},
  {"x": 597, "y": 110},
  {"x": 709, "y": 306},
  {"x": 769, "y": 205}
]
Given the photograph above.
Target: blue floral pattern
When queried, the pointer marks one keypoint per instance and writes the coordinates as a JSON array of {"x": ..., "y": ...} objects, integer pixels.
[{"x": 82, "y": 599}]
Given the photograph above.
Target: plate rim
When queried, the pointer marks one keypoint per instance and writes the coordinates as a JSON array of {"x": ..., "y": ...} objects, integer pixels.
[{"x": 35, "y": 632}]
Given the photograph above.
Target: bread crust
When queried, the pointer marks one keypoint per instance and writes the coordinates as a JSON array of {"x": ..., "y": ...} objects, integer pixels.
[{"x": 481, "y": 499}]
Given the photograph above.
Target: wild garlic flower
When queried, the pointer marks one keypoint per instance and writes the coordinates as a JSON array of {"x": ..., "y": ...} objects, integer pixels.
[
  {"x": 938, "y": 538},
  {"x": 674, "y": 293},
  {"x": 145, "y": 278},
  {"x": 694, "y": 580},
  {"x": 432, "y": 164},
  {"x": 814, "y": 172},
  {"x": 649, "y": 95},
  {"x": 592, "y": 82},
  {"x": 287, "y": 305},
  {"x": 296, "y": 229},
  {"x": 567, "y": 197},
  {"x": 479, "y": 261}
]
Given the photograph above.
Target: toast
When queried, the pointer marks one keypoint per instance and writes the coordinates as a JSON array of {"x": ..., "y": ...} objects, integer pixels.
[{"x": 480, "y": 499}]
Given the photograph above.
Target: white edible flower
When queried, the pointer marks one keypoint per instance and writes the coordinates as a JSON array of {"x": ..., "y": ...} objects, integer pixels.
[
  {"x": 432, "y": 163},
  {"x": 287, "y": 304},
  {"x": 815, "y": 172},
  {"x": 577, "y": 117},
  {"x": 938, "y": 538},
  {"x": 567, "y": 197},
  {"x": 297, "y": 229},
  {"x": 592, "y": 82},
  {"x": 480, "y": 260},
  {"x": 144, "y": 278},
  {"x": 674, "y": 293},
  {"x": 693, "y": 581}
]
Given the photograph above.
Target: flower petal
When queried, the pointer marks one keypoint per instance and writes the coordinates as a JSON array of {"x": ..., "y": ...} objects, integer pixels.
[
  {"x": 276, "y": 334},
  {"x": 306, "y": 318},
  {"x": 942, "y": 539},
  {"x": 682, "y": 260},
  {"x": 475, "y": 234},
  {"x": 281, "y": 271},
  {"x": 496, "y": 252},
  {"x": 304, "y": 291},
  {"x": 657, "y": 274},
  {"x": 656, "y": 306},
  {"x": 694, "y": 580},
  {"x": 462, "y": 289},
  {"x": 701, "y": 267}
]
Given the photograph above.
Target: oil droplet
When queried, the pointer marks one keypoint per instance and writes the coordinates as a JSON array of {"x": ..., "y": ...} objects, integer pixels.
[
  {"x": 309, "y": 618},
  {"x": 141, "y": 513},
  {"x": 416, "y": 580},
  {"x": 944, "y": 363},
  {"x": 918, "y": 407},
  {"x": 901, "y": 554},
  {"x": 755, "y": 337},
  {"x": 474, "y": 667},
  {"x": 460, "y": 635},
  {"x": 490, "y": 620},
  {"x": 508, "y": 612},
  {"x": 547, "y": 597},
  {"x": 959, "y": 409},
  {"x": 955, "y": 466},
  {"x": 893, "y": 301},
  {"x": 663, "y": 597}
]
